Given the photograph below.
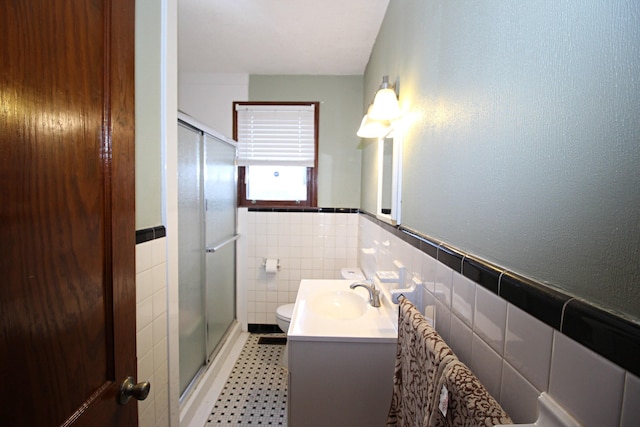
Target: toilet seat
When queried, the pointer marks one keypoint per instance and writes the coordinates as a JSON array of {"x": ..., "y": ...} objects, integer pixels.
[{"x": 285, "y": 312}]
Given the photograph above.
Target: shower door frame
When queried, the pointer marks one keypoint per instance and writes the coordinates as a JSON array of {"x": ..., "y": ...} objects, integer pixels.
[{"x": 210, "y": 247}]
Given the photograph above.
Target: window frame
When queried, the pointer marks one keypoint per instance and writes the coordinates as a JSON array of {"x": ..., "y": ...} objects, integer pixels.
[{"x": 312, "y": 172}]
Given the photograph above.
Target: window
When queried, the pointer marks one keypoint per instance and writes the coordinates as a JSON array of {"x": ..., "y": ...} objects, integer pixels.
[{"x": 277, "y": 153}]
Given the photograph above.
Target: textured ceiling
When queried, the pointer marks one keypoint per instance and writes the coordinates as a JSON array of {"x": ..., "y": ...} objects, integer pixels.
[{"x": 306, "y": 37}]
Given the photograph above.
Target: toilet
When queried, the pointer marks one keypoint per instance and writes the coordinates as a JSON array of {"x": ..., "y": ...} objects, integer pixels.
[
  {"x": 284, "y": 312},
  {"x": 283, "y": 316}
]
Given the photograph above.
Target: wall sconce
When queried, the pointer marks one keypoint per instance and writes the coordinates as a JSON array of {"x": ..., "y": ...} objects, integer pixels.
[
  {"x": 385, "y": 105},
  {"x": 370, "y": 128},
  {"x": 385, "y": 108}
]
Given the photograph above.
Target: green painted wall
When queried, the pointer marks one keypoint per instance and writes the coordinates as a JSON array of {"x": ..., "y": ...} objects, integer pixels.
[
  {"x": 148, "y": 114},
  {"x": 522, "y": 135}
]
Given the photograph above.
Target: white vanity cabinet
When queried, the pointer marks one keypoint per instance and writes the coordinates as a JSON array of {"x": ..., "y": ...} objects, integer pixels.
[
  {"x": 333, "y": 383},
  {"x": 340, "y": 369}
]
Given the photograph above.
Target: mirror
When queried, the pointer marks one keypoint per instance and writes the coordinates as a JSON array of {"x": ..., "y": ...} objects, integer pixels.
[
  {"x": 389, "y": 165},
  {"x": 387, "y": 179}
]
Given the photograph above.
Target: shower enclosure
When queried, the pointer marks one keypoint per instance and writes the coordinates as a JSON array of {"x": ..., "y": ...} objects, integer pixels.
[{"x": 207, "y": 249}]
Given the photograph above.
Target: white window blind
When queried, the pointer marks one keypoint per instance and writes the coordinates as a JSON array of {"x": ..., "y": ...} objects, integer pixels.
[{"x": 276, "y": 135}]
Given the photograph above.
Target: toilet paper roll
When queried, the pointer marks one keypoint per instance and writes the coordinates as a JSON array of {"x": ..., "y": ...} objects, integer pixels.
[{"x": 271, "y": 265}]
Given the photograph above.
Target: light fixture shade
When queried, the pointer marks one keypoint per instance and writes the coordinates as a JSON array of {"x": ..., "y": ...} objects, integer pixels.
[
  {"x": 370, "y": 128},
  {"x": 385, "y": 105}
]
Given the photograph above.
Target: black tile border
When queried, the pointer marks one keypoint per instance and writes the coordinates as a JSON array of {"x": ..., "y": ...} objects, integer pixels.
[
  {"x": 540, "y": 301},
  {"x": 260, "y": 328},
  {"x": 450, "y": 257},
  {"x": 482, "y": 273},
  {"x": 148, "y": 234},
  {"x": 312, "y": 210},
  {"x": 605, "y": 333},
  {"x": 609, "y": 334},
  {"x": 272, "y": 340},
  {"x": 160, "y": 231}
]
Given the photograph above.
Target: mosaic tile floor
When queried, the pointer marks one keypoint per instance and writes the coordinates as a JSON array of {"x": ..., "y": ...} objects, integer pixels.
[{"x": 256, "y": 391}]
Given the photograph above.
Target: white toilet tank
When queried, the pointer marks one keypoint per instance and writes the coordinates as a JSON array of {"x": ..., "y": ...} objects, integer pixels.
[{"x": 352, "y": 273}]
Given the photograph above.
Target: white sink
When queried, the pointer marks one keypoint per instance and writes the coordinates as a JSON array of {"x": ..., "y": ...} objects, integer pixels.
[
  {"x": 338, "y": 304},
  {"x": 327, "y": 310}
]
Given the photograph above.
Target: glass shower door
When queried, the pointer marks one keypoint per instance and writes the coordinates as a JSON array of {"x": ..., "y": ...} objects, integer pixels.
[
  {"x": 220, "y": 219},
  {"x": 206, "y": 247},
  {"x": 190, "y": 255}
]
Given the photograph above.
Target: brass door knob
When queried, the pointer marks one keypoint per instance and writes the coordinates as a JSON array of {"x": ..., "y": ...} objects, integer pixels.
[{"x": 129, "y": 389}]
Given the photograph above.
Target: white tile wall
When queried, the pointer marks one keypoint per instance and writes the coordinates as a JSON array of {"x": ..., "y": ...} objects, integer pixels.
[
  {"x": 630, "y": 407},
  {"x": 444, "y": 284},
  {"x": 464, "y": 298},
  {"x": 585, "y": 383},
  {"x": 425, "y": 269},
  {"x": 490, "y": 318},
  {"x": 517, "y": 394},
  {"x": 151, "y": 328},
  {"x": 515, "y": 355},
  {"x": 528, "y": 346},
  {"x": 442, "y": 320},
  {"x": 461, "y": 339},
  {"x": 309, "y": 245},
  {"x": 487, "y": 365}
]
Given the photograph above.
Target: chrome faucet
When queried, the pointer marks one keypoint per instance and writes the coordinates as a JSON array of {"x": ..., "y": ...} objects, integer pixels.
[{"x": 374, "y": 294}]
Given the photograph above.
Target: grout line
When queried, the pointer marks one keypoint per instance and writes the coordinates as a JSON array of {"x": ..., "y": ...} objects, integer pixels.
[
  {"x": 500, "y": 282},
  {"x": 564, "y": 307}
]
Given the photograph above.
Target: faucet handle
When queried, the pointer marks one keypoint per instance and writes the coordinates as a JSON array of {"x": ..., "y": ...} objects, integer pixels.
[
  {"x": 374, "y": 294},
  {"x": 375, "y": 297}
]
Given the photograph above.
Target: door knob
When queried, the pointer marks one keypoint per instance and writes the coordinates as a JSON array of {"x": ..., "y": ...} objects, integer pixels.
[{"x": 129, "y": 389}]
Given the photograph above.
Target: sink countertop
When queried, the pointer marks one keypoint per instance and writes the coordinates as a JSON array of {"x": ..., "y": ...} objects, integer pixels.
[{"x": 375, "y": 325}]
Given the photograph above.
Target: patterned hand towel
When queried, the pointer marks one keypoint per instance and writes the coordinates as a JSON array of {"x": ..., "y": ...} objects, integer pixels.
[
  {"x": 420, "y": 355},
  {"x": 462, "y": 401}
]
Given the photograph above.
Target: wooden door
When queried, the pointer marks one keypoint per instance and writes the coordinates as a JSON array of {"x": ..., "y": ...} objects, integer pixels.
[{"x": 67, "y": 231}]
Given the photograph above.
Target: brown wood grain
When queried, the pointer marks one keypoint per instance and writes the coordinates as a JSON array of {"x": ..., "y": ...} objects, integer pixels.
[{"x": 66, "y": 211}]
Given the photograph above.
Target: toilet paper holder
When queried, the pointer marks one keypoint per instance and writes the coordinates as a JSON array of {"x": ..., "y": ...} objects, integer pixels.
[{"x": 264, "y": 263}]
